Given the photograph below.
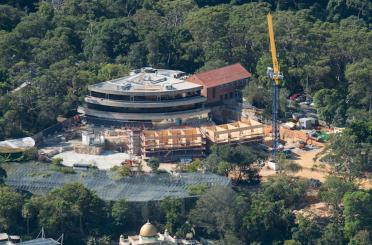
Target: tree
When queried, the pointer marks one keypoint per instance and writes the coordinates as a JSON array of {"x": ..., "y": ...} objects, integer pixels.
[
  {"x": 153, "y": 163},
  {"x": 357, "y": 212},
  {"x": 306, "y": 231},
  {"x": 72, "y": 210},
  {"x": 217, "y": 212},
  {"x": 239, "y": 159},
  {"x": 257, "y": 95},
  {"x": 330, "y": 106},
  {"x": 348, "y": 157},
  {"x": 359, "y": 90},
  {"x": 289, "y": 189},
  {"x": 363, "y": 237},
  {"x": 9, "y": 17},
  {"x": 137, "y": 55},
  {"x": 333, "y": 191},
  {"x": 112, "y": 71},
  {"x": 174, "y": 214},
  {"x": 28, "y": 212},
  {"x": 229, "y": 238},
  {"x": 3, "y": 175},
  {"x": 120, "y": 213},
  {"x": 267, "y": 221},
  {"x": 333, "y": 234},
  {"x": 110, "y": 38},
  {"x": 10, "y": 209}
]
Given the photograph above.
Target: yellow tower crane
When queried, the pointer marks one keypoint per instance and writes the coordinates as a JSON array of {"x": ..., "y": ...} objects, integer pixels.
[{"x": 275, "y": 76}]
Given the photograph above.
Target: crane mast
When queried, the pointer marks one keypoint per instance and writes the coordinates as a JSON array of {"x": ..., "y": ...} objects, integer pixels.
[{"x": 275, "y": 76}]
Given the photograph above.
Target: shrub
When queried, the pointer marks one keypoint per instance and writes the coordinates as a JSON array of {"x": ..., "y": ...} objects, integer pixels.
[{"x": 197, "y": 190}]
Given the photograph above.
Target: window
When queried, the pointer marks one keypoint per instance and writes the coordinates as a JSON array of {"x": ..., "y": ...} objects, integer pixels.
[
  {"x": 214, "y": 93},
  {"x": 226, "y": 96},
  {"x": 231, "y": 95}
]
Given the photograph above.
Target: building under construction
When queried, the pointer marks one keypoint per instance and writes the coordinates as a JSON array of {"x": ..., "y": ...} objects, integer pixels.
[
  {"x": 155, "y": 115},
  {"x": 173, "y": 144},
  {"x": 236, "y": 132}
]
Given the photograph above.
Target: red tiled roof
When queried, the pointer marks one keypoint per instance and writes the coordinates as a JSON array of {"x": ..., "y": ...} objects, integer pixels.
[{"x": 220, "y": 76}]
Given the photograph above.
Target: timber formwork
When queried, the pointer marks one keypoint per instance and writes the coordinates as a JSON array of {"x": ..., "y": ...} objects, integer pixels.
[
  {"x": 172, "y": 144},
  {"x": 236, "y": 132}
]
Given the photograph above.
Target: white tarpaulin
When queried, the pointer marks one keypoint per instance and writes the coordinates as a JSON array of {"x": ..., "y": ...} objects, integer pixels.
[{"x": 16, "y": 145}]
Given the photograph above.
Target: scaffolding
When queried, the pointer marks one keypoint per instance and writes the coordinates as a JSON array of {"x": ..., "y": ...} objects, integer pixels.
[
  {"x": 241, "y": 131},
  {"x": 172, "y": 144},
  {"x": 126, "y": 139}
]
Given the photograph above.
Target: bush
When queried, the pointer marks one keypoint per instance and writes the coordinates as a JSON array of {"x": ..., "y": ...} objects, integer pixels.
[
  {"x": 197, "y": 190},
  {"x": 192, "y": 167},
  {"x": 57, "y": 161},
  {"x": 153, "y": 163},
  {"x": 121, "y": 171}
]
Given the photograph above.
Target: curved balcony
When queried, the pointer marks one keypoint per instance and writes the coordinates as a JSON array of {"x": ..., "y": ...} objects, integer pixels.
[
  {"x": 143, "y": 116},
  {"x": 145, "y": 104}
]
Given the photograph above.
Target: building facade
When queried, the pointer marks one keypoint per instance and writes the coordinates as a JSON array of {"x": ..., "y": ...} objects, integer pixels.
[
  {"x": 149, "y": 235},
  {"x": 147, "y": 94},
  {"x": 222, "y": 84}
]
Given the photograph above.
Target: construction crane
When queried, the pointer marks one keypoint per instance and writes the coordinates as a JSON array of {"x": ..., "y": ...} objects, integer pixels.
[{"x": 275, "y": 76}]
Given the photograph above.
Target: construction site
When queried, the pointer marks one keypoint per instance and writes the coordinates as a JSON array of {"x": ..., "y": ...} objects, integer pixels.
[
  {"x": 106, "y": 142},
  {"x": 175, "y": 118}
]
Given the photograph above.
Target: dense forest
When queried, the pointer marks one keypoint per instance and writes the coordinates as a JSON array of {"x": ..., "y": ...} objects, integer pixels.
[{"x": 56, "y": 48}]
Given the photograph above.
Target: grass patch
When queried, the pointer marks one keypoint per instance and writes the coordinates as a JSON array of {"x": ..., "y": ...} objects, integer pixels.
[{"x": 62, "y": 169}]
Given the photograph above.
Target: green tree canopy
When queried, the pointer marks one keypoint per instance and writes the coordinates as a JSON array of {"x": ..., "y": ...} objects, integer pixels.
[
  {"x": 267, "y": 221},
  {"x": 71, "y": 209},
  {"x": 10, "y": 209},
  {"x": 217, "y": 212},
  {"x": 357, "y": 212}
]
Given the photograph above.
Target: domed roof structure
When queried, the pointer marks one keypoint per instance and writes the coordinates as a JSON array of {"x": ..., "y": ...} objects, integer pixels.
[{"x": 148, "y": 230}]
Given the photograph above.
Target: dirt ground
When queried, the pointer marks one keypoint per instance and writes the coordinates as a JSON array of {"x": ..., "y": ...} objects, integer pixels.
[
  {"x": 310, "y": 168},
  {"x": 305, "y": 158}
]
